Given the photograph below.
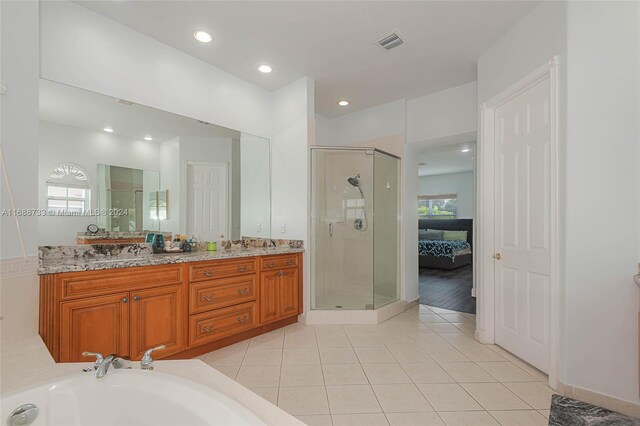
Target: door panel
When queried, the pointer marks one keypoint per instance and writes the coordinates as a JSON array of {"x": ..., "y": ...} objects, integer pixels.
[
  {"x": 523, "y": 215},
  {"x": 207, "y": 194},
  {"x": 269, "y": 298},
  {"x": 288, "y": 292},
  {"x": 99, "y": 324},
  {"x": 157, "y": 319}
]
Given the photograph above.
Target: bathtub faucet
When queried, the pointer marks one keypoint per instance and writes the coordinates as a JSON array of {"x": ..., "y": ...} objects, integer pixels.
[{"x": 102, "y": 364}]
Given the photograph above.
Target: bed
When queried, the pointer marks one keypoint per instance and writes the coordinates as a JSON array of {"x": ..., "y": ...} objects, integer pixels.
[{"x": 445, "y": 254}]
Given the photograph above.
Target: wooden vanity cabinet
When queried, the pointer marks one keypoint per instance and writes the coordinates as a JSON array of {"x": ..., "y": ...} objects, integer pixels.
[{"x": 191, "y": 308}]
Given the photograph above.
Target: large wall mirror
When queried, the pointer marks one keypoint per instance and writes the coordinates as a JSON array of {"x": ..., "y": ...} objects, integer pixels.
[{"x": 128, "y": 167}]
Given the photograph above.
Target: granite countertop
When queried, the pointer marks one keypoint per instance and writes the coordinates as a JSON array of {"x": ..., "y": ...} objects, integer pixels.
[{"x": 56, "y": 265}]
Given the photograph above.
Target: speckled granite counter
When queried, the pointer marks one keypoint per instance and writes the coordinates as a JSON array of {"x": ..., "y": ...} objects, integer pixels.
[{"x": 55, "y": 260}]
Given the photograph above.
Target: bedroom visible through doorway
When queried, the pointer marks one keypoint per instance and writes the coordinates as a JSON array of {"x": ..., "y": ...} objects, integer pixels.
[{"x": 446, "y": 207}]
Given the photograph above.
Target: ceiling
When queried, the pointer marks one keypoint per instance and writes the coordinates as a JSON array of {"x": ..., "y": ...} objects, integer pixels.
[
  {"x": 75, "y": 107},
  {"x": 447, "y": 159},
  {"x": 332, "y": 42}
]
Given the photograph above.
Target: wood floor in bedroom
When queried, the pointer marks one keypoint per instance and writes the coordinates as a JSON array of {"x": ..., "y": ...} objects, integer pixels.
[{"x": 448, "y": 289}]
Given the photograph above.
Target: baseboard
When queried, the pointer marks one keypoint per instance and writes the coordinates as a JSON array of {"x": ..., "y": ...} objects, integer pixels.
[
  {"x": 17, "y": 266},
  {"x": 373, "y": 316},
  {"x": 606, "y": 401}
]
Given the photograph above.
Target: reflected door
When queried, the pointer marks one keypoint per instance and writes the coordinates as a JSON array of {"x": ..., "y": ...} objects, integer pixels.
[{"x": 207, "y": 195}]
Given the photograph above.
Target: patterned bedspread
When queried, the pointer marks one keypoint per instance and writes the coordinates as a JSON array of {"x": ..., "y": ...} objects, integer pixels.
[{"x": 443, "y": 248}]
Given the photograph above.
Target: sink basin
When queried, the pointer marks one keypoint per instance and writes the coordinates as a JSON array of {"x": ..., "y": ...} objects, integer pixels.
[{"x": 129, "y": 398}]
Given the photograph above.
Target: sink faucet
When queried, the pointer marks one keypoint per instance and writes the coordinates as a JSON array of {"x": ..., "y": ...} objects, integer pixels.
[{"x": 102, "y": 364}]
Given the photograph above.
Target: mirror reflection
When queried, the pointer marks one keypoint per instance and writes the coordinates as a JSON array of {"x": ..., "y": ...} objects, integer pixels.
[{"x": 130, "y": 168}]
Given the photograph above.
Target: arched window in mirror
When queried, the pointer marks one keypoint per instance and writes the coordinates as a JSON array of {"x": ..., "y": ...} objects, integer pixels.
[{"x": 68, "y": 189}]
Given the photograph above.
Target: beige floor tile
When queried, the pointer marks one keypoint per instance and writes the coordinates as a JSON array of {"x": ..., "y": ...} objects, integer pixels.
[
  {"x": 267, "y": 341},
  {"x": 545, "y": 413},
  {"x": 467, "y": 372},
  {"x": 520, "y": 418},
  {"x": 228, "y": 370},
  {"x": 353, "y": 399},
  {"x": 300, "y": 340},
  {"x": 495, "y": 396},
  {"x": 258, "y": 356},
  {"x": 365, "y": 340},
  {"x": 441, "y": 310},
  {"x": 338, "y": 356},
  {"x": 533, "y": 371},
  {"x": 414, "y": 419},
  {"x": 401, "y": 398},
  {"x": 385, "y": 373},
  {"x": 457, "y": 317},
  {"x": 431, "y": 318},
  {"x": 316, "y": 420},
  {"x": 300, "y": 356},
  {"x": 329, "y": 329},
  {"x": 270, "y": 394},
  {"x": 297, "y": 327},
  {"x": 259, "y": 375},
  {"x": 409, "y": 354},
  {"x": 225, "y": 357},
  {"x": 448, "y": 397},
  {"x": 426, "y": 372},
  {"x": 478, "y": 352},
  {"x": 371, "y": 355},
  {"x": 506, "y": 372},
  {"x": 466, "y": 327},
  {"x": 344, "y": 374},
  {"x": 396, "y": 339},
  {"x": 444, "y": 353},
  {"x": 504, "y": 354},
  {"x": 303, "y": 400},
  {"x": 333, "y": 341},
  {"x": 468, "y": 418},
  {"x": 377, "y": 419},
  {"x": 301, "y": 375},
  {"x": 536, "y": 394}
]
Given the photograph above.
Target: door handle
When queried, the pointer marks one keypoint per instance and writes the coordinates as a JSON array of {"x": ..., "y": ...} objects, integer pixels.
[
  {"x": 331, "y": 229},
  {"x": 497, "y": 256},
  {"x": 136, "y": 298},
  {"x": 125, "y": 300}
]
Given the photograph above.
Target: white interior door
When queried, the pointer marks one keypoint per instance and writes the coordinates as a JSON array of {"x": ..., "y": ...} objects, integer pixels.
[
  {"x": 522, "y": 225},
  {"x": 207, "y": 199}
]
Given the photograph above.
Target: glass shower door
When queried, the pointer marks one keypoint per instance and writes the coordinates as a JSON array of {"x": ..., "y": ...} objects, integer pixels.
[{"x": 342, "y": 228}]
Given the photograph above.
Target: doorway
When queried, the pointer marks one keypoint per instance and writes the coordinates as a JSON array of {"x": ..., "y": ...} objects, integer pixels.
[{"x": 207, "y": 200}]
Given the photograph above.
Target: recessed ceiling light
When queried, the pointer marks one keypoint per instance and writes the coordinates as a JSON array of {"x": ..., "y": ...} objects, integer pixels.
[
  {"x": 265, "y": 69},
  {"x": 203, "y": 36},
  {"x": 465, "y": 150},
  {"x": 343, "y": 103},
  {"x": 148, "y": 138},
  {"x": 108, "y": 129}
]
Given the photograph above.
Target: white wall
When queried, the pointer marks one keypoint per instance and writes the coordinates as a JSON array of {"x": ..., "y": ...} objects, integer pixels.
[
  {"x": 452, "y": 183},
  {"x": 443, "y": 114},
  {"x": 170, "y": 181},
  {"x": 86, "y": 148},
  {"x": 254, "y": 156},
  {"x": 86, "y": 50},
  {"x": 603, "y": 152}
]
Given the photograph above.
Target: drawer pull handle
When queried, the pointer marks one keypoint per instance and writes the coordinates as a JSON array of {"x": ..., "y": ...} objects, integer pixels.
[
  {"x": 290, "y": 262},
  {"x": 208, "y": 273},
  {"x": 242, "y": 320},
  {"x": 243, "y": 291},
  {"x": 271, "y": 264},
  {"x": 242, "y": 268},
  {"x": 207, "y": 330},
  {"x": 209, "y": 298}
]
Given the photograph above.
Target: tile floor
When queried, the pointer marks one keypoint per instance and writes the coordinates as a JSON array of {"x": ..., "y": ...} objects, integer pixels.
[{"x": 422, "y": 367}]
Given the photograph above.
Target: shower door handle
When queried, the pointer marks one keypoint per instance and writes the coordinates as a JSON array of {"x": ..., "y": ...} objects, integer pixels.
[{"x": 331, "y": 229}]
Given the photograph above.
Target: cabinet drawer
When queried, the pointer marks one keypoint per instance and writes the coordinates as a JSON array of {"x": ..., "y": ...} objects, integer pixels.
[
  {"x": 93, "y": 283},
  {"x": 281, "y": 261},
  {"x": 207, "y": 295},
  {"x": 221, "y": 323},
  {"x": 203, "y": 271}
]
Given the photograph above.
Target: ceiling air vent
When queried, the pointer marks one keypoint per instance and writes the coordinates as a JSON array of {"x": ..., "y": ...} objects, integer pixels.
[
  {"x": 125, "y": 102},
  {"x": 203, "y": 122},
  {"x": 390, "y": 41}
]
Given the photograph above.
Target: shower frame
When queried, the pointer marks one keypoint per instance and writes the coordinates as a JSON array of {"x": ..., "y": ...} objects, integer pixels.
[{"x": 315, "y": 221}]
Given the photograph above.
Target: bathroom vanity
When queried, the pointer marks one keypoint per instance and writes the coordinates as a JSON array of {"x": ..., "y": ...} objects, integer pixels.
[{"x": 190, "y": 305}]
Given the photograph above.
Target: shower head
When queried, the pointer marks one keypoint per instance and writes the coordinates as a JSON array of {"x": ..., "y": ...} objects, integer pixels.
[{"x": 355, "y": 181}]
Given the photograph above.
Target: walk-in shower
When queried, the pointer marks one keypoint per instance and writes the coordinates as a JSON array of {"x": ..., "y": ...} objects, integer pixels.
[{"x": 355, "y": 228}]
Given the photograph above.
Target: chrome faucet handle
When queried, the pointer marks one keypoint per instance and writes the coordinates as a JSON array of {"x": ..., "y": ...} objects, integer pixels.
[
  {"x": 103, "y": 368},
  {"x": 146, "y": 363},
  {"x": 99, "y": 358}
]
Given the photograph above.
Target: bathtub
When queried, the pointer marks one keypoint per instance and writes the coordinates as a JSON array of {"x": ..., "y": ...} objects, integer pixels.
[{"x": 128, "y": 398}]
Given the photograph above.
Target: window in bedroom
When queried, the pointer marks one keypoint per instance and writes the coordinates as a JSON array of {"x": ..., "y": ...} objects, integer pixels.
[
  {"x": 68, "y": 189},
  {"x": 444, "y": 206}
]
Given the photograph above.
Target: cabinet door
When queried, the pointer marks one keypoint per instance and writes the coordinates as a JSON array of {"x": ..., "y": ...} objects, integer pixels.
[
  {"x": 98, "y": 324},
  {"x": 157, "y": 319},
  {"x": 269, "y": 298},
  {"x": 288, "y": 292}
]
